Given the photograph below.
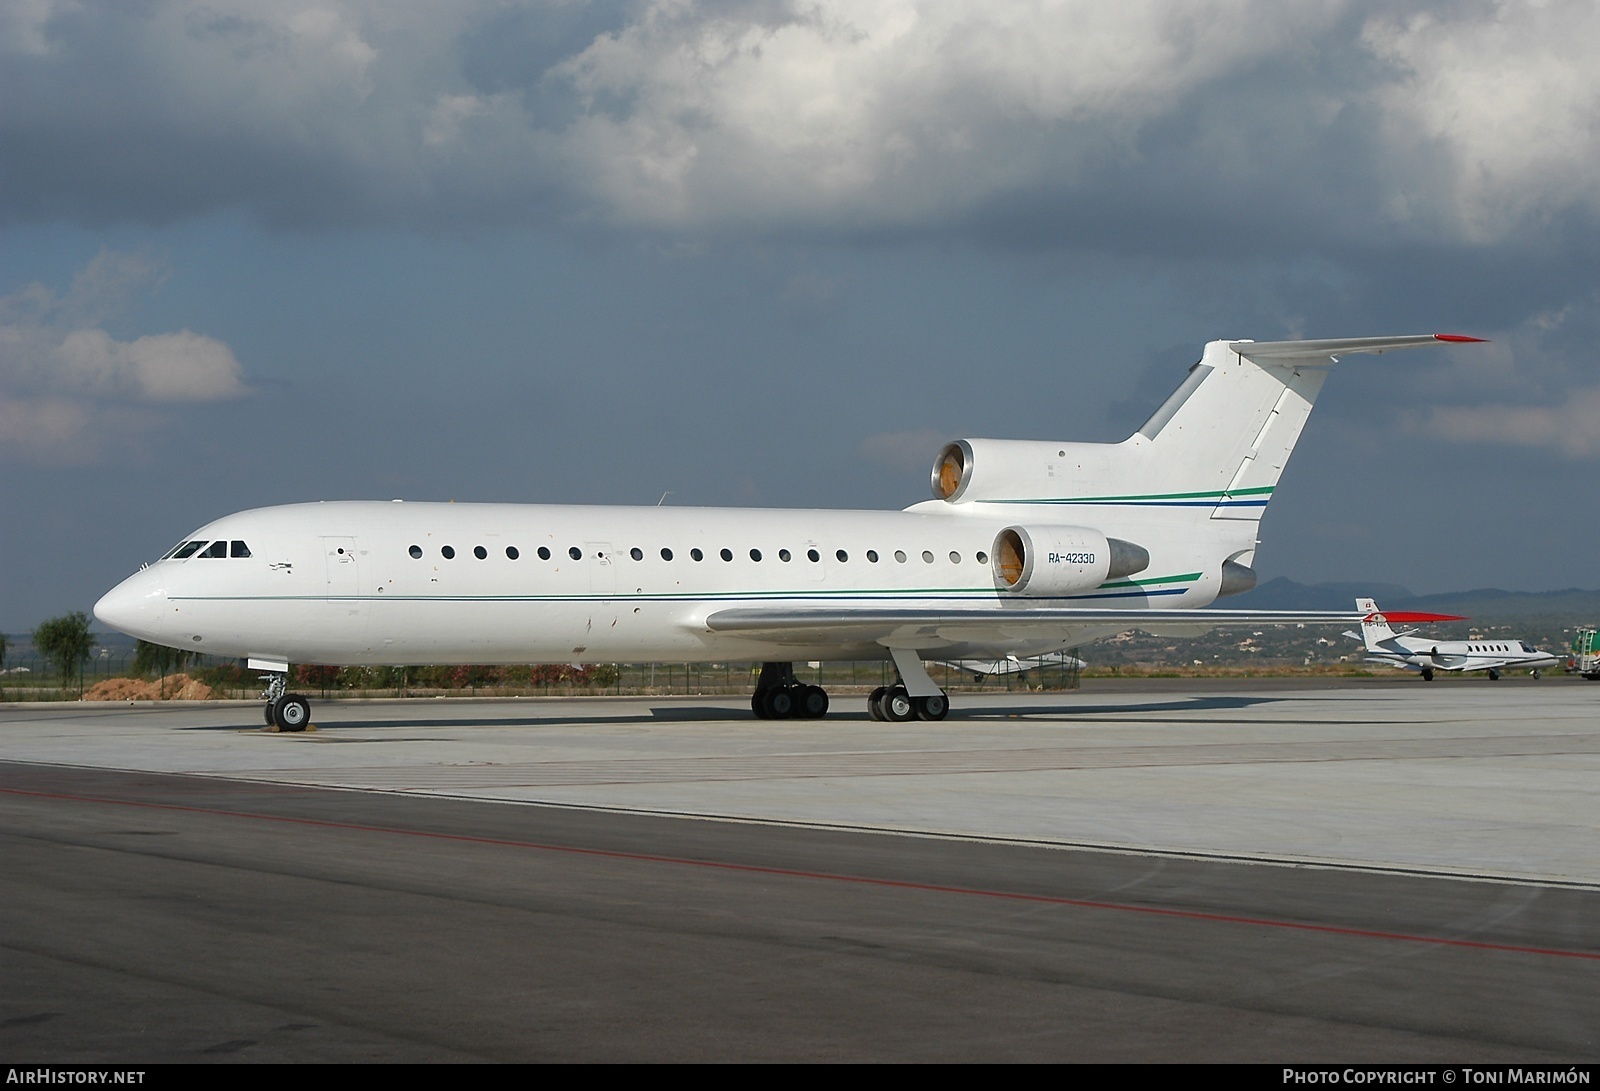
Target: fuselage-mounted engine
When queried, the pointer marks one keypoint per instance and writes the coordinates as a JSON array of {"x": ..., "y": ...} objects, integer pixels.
[{"x": 1053, "y": 561}]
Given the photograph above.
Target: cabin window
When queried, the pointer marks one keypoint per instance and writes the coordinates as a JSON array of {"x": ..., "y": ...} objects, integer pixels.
[
  {"x": 842, "y": 555},
  {"x": 813, "y": 555},
  {"x": 872, "y": 556},
  {"x": 636, "y": 553},
  {"x": 216, "y": 549},
  {"x": 480, "y": 553},
  {"x": 544, "y": 553},
  {"x": 695, "y": 554},
  {"x": 512, "y": 553},
  {"x": 983, "y": 558},
  {"x": 238, "y": 549},
  {"x": 416, "y": 552},
  {"x": 726, "y": 554},
  {"x": 900, "y": 555},
  {"x": 755, "y": 554},
  {"x": 927, "y": 555},
  {"x": 955, "y": 558},
  {"x": 575, "y": 553},
  {"x": 666, "y": 554},
  {"x": 448, "y": 552}
]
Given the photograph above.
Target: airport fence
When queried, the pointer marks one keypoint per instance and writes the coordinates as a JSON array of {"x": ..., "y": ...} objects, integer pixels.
[{"x": 28, "y": 676}]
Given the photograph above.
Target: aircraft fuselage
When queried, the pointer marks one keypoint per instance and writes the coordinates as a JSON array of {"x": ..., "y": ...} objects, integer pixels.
[{"x": 393, "y": 583}]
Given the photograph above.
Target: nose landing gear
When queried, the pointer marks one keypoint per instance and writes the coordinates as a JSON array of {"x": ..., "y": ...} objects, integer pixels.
[{"x": 284, "y": 711}]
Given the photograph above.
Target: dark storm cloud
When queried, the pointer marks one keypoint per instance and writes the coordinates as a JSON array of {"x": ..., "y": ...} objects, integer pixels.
[
  {"x": 1335, "y": 163},
  {"x": 1156, "y": 127}
]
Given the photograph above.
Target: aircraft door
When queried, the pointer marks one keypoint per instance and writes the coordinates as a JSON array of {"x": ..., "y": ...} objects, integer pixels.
[
  {"x": 343, "y": 569},
  {"x": 603, "y": 570},
  {"x": 603, "y": 609}
]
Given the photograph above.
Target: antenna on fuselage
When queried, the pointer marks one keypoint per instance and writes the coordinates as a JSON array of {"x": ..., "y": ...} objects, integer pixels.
[{"x": 662, "y": 502}]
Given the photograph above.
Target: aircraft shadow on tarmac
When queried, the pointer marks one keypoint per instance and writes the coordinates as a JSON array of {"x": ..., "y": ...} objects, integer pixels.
[{"x": 697, "y": 714}]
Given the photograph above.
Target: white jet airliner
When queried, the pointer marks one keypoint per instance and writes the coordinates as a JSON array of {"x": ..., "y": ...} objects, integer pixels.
[
  {"x": 1027, "y": 548},
  {"x": 1411, "y": 653}
]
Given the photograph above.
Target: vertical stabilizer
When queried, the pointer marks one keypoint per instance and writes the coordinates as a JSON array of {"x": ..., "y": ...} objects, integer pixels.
[
  {"x": 1374, "y": 626},
  {"x": 1213, "y": 451},
  {"x": 1226, "y": 434}
]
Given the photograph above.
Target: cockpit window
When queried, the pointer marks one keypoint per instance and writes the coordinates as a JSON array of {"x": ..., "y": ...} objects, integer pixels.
[
  {"x": 238, "y": 549},
  {"x": 187, "y": 549},
  {"x": 216, "y": 549}
]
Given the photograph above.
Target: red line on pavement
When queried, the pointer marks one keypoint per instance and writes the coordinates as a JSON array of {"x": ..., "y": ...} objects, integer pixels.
[{"x": 824, "y": 876}]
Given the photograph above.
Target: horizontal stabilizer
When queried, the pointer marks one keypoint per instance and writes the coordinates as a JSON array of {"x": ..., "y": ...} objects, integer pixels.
[{"x": 1270, "y": 350}]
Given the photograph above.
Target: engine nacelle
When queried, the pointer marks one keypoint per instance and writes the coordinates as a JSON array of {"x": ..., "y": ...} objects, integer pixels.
[
  {"x": 1061, "y": 560},
  {"x": 1020, "y": 469}
]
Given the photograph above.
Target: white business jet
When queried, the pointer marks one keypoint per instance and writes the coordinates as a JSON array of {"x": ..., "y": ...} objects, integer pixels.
[
  {"x": 1425, "y": 656},
  {"x": 1026, "y": 549}
]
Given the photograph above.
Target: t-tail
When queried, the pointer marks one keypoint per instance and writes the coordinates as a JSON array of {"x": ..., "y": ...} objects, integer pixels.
[
  {"x": 1374, "y": 624},
  {"x": 1201, "y": 470},
  {"x": 1375, "y": 628}
]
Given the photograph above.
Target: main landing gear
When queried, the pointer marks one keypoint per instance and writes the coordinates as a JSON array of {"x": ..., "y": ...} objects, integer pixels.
[
  {"x": 894, "y": 704},
  {"x": 781, "y": 696},
  {"x": 285, "y": 711}
]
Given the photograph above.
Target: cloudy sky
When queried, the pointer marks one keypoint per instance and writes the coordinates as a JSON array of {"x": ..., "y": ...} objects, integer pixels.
[{"x": 775, "y": 252}]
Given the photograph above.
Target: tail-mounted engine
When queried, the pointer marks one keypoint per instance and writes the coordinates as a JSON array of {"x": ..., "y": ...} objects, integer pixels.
[
  {"x": 1061, "y": 560},
  {"x": 1021, "y": 469}
]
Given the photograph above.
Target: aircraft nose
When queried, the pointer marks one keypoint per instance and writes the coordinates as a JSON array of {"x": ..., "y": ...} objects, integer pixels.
[{"x": 133, "y": 606}]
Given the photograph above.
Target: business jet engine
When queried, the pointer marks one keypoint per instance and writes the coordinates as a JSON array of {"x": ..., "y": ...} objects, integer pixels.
[{"x": 1061, "y": 560}]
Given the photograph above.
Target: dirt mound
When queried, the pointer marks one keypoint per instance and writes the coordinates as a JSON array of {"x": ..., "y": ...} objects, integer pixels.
[{"x": 178, "y": 687}]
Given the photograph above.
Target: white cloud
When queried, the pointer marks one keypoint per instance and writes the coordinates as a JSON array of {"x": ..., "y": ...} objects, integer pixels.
[
  {"x": 165, "y": 367},
  {"x": 693, "y": 113},
  {"x": 1463, "y": 123},
  {"x": 1571, "y": 428},
  {"x": 45, "y": 427},
  {"x": 1499, "y": 102},
  {"x": 64, "y": 378}
]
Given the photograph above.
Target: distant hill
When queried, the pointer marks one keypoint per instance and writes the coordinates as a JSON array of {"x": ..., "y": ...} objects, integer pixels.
[{"x": 1573, "y": 605}]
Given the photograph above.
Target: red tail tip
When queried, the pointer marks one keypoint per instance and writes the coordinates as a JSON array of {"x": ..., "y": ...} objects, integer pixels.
[{"x": 1460, "y": 338}]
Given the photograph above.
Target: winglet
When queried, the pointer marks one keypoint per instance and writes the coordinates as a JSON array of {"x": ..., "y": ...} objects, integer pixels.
[{"x": 1460, "y": 338}]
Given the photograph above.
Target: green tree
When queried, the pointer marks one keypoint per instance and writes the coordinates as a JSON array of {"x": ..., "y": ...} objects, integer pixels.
[
  {"x": 159, "y": 659},
  {"x": 65, "y": 642}
]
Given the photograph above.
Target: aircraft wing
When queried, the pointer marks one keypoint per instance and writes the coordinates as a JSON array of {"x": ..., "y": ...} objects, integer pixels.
[{"x": 923, "y": 627}]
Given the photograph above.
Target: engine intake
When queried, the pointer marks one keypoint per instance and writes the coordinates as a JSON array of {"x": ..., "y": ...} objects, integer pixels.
[
  {"x": 970, "y": 470},
  {"x": 1061, "y": 560}
]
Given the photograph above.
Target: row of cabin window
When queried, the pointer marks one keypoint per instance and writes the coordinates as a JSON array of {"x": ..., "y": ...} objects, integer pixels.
[
  {"x": 215, "y": 549},
  {"x": 512, "y": 553}
]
